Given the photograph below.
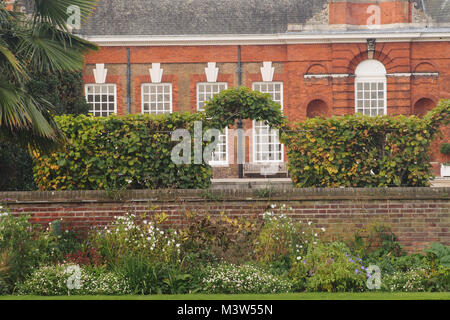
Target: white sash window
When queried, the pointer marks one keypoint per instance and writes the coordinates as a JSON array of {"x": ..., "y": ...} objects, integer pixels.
[
  {"x": 266, "y": 141},
  {"x": 205, "y": 92},
  {"x": 102, "y": 99},
  {"x": 156, "y": 98}
]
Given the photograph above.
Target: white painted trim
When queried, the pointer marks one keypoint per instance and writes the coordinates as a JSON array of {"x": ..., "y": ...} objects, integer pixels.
[
  {"x": 211, "y": 72},
  {"x": 267, "y": 72},
  {"x": 328, "y": 75},
  {"x": 282, "y": 38},
  {"x": 156, "y": 73},
  {"x": 100, "y": 73},
  {"x": 348, "y": 75},
  {"x": 414, "y": 74}
]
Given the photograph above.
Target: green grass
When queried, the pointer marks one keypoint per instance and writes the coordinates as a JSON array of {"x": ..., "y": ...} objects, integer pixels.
[{"x": 293, "y": 296}]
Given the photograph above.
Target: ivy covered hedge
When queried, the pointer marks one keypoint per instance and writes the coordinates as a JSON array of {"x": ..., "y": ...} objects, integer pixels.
[
  {"x": 116, "y": 153},
  {"x": 363, "y": 151}
]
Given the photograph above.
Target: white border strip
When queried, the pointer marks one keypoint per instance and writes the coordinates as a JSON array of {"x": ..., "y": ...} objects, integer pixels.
[
  {"x": 347, "y": 75},
  {"x": 284, "y": 38}
]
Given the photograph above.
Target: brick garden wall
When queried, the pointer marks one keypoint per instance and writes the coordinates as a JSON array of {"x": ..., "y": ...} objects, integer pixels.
[{"x": 418, "y": 216}]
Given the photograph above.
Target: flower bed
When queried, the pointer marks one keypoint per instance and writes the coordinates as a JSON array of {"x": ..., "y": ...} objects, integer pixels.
[{"x": 269, "y": 253}]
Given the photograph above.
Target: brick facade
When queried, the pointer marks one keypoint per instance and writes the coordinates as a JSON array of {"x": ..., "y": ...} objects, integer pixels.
[
  {"x": 418, "y": 216},
  {"x": 318, "y": 74},
  {"x": 183, "y": 66}
]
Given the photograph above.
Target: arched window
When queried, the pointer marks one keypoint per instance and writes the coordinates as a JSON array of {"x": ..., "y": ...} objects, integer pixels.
[{"x": 370, "y": 88}]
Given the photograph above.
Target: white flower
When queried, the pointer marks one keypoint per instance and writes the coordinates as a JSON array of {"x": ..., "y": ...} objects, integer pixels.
[
  {"x": 323, "y": 229},
  {"x": 298, "y": 258},
  {"x": 309, "y": 223}
]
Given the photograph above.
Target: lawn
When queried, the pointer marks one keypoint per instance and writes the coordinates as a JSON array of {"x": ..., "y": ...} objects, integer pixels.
[{"x": 293, "y": 296}]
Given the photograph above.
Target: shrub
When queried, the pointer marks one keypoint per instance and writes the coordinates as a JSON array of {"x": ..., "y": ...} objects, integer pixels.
[
  {"x": 54, "y": 281},
  {"x": 232, "y": 279},
  {"x": 329, "y": 267},
  {"x": 282, "y": 240},
  {"x": 129, "y": 234},
  {"x": 209, "y": 239},
  {"x": 29, "y": 245},
  {"x": 16, "y": 169},
  {"x": 409, "y": 281},
  {"x": 85, "y": 257},
  {"x": 438, "y": 279},
  {"x": 445, "y": 148},
  {"x": 439, "y": 254},
  {"x": 149, "y": 276},
  {"x": 117, "y": 153},
  {"x": 63, "y": 90},
  {"x": 4, "y": 269},
  {"x": 364, "y": 151},
  {"x": 17, "y": 237}
]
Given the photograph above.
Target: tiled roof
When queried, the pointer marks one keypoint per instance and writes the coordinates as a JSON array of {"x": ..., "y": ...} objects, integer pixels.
[
  {"x": 189, "y": 17},
  {"x": 203, "y": 17}
]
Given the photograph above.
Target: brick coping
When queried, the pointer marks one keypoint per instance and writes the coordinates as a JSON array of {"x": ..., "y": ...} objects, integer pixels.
[{"x": 165, "y": 195}]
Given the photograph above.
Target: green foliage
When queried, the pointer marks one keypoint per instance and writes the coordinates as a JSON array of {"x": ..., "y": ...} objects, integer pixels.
[
  {"x": 207, "y": 239},
  {"x": 53, "y": 281},
  {"x": 4, "y": 269},
  {"x": 17, "y": 238},
  {"x": 232, "y": 279},
  {"x": 27, "y": 245},
  {"x": 282, "y": 240},
  {"x": 263, "y": 193},
  {"x": 234, "y": 103},
  {"x": 377, "y": 242},
  {"x": 149, "y": 276},
  {"x": 329, "y": 267},
  {"x": 36, "y": 42},
  {"x": 117, "y": 153},
  {"x": 16, "y": 168},
  {"x": 363, "y": 151},
  {"x": 440, "y": 253},
  {"x": 127, "y": 235},
  {"x": 445, "y": 148},
  {"x": 410, "y": 281},
  {"x": 63, "y": 90}
]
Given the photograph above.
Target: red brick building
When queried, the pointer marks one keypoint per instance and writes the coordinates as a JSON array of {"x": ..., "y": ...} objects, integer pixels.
[{"x": 321, "y": 57}]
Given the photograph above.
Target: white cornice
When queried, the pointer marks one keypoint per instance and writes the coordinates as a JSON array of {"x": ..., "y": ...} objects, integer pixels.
[{"x": 274, "y": 39}]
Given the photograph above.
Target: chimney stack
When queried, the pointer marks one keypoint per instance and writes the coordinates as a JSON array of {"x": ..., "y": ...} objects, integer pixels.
[{"x": 370, "y": 12}]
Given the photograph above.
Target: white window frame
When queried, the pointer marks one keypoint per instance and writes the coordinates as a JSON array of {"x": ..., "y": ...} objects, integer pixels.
[
  {"x": 223, "y": 162},
  {"x": 143, "y": 94},
  {"x": 254, "y": 152},
  {"x": 368, "y": 73},
  {"x": 92, "y": 109}
]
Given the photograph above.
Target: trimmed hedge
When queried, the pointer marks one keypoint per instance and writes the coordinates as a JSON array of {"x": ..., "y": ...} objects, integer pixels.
[
  {"x": 117, "y": 153},
  {"x": 363, "y": 151}
]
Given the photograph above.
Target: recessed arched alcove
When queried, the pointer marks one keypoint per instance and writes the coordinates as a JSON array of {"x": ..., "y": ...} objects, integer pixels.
[
  {"x": 422, "y": 106},
  {"x": 317, "y": 108}
]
